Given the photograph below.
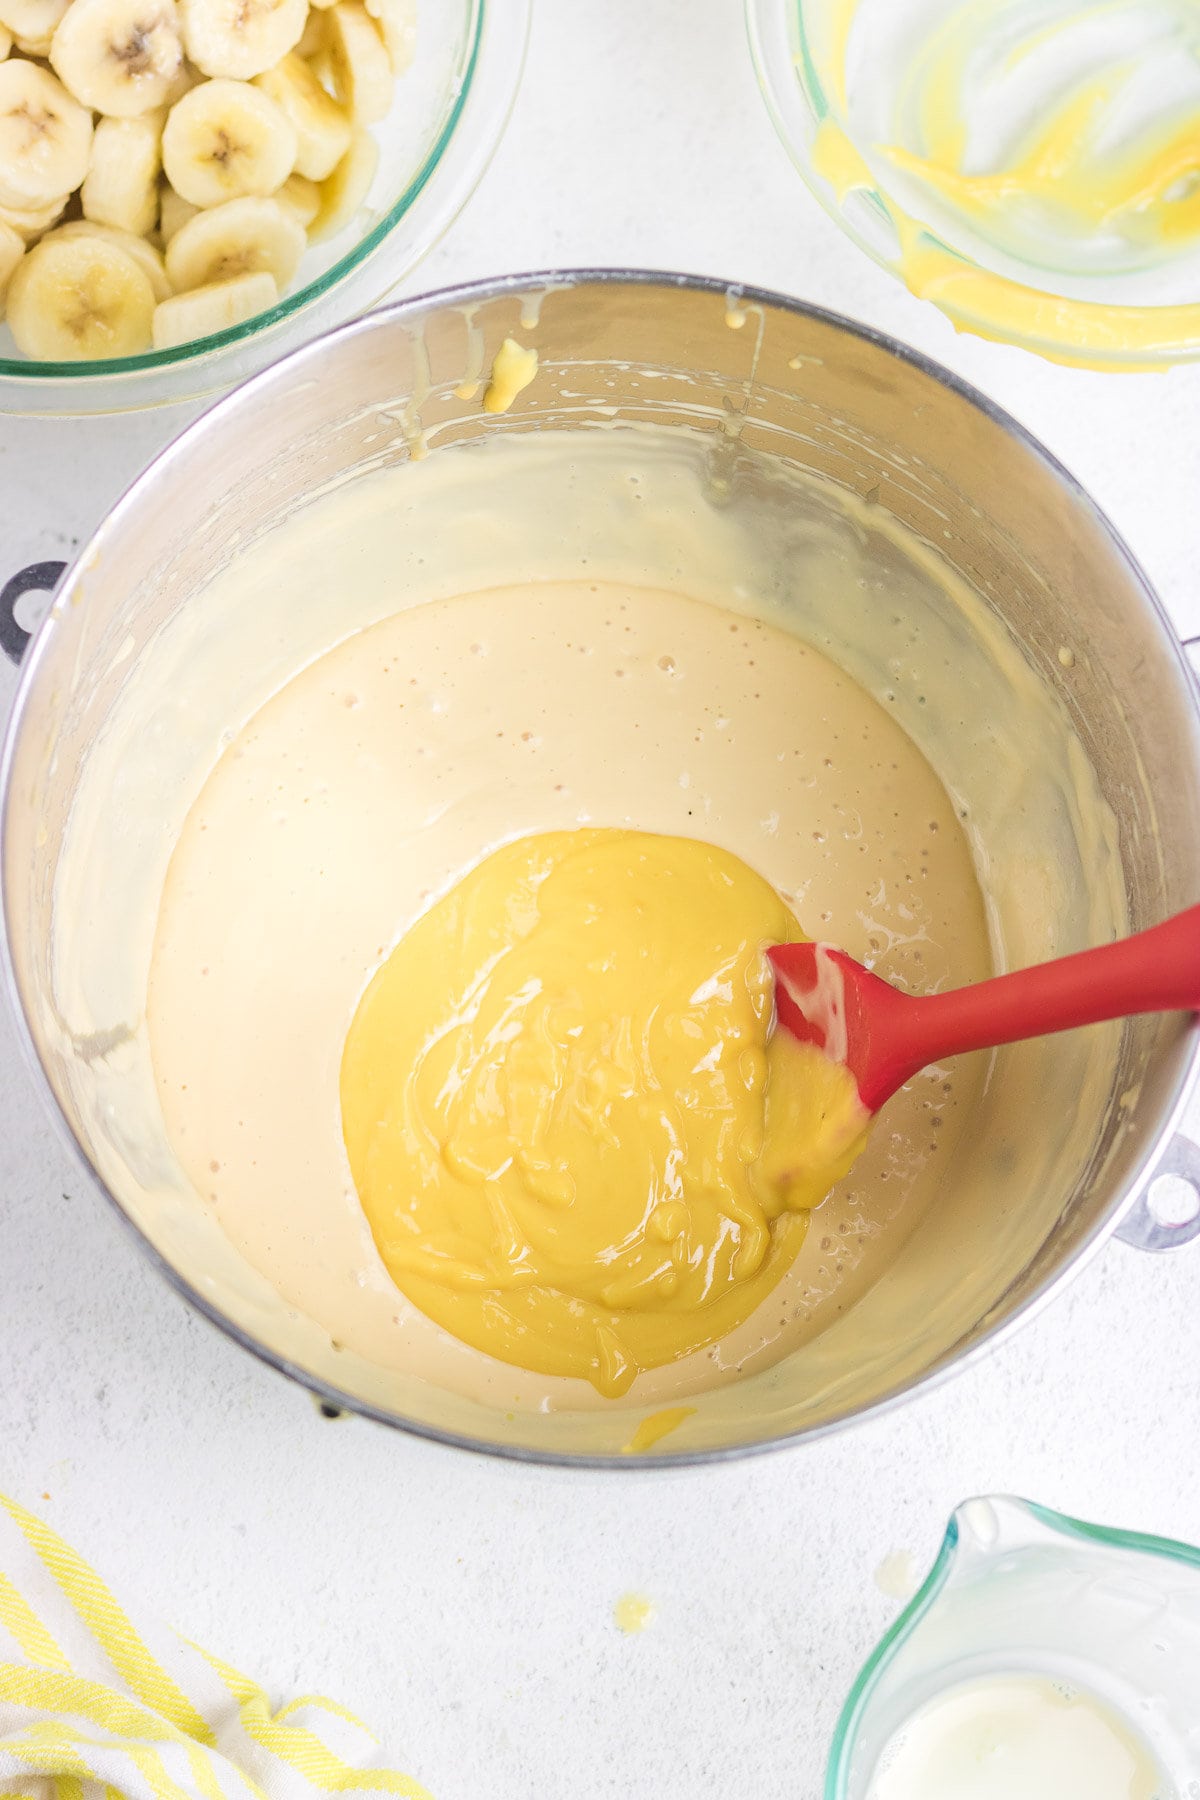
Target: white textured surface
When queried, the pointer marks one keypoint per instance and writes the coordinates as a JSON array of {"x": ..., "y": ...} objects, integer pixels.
[{"x": 465, "y": 1606}]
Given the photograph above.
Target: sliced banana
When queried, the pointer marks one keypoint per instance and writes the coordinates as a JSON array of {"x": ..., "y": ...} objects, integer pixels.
[
  {"x": 45, "y": 137},
  {"x": 185, "y": 79},
  {"x": 121, "y": 185},
  {"x": 12, "y": 249},
  {"x": 311, "y": 41},
  {"x": 226, "y": 139},
  {"x": 5, "y": 41},
  {"x": 78, "y": 298},
  {"x": 322, "y": 128},
  {"x": 173, "y": 211},
  {"x": 300, "y": 197},
  {"x": 120, "y": 56},
  {"x": 214, "y": 307},
  {"x": 139, "y": 249},
  {"x": 31, "y": 222},
  {"x": 239, "y": 238},
  {"x": 32, "y": 20},
  {"x": 343, "y": 192},
  {"x": 240, "y": 38},
  {"x": 358, "y": 63},
  {"x": 397, "y": 22}
]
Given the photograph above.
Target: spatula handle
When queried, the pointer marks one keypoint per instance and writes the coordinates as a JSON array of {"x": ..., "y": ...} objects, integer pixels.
[{"x": 1155, "y": 971}]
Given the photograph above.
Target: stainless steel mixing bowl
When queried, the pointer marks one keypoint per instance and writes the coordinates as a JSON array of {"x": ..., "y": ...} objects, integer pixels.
[{"x": 793, "y": 393}]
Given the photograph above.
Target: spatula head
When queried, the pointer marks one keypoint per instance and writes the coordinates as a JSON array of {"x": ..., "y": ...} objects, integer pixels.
[{"x": 824, "y": 997}]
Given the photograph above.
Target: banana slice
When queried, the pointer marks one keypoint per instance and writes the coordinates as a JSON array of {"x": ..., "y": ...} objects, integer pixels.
[
  {"x": 33, "y": 20},
  {"x": 301, "y": 198},
  {"x": 185, "y": 79},
  {"x": 31, "y": 222},
  {"x": 397, "y": 22},
  {"x": 240, "y": 38},
  {"x": 173, "y": 211},
  {"x": 5, "y": 41},
  {"x": 343, "y": 192},
  {"x": 12, "y": 249},
  {"x": 121, "y": 185},
  {"x": 214, "y": 307},
  {"x": 239, "y": 238},
  {"x": 311, "y": 41},
  {"x": 138, "y": 249},
  {"x": 322, "y": 128},
  {"x": 120, "y": 56},
  {"x": 226, "y": 139},
  {"x": 358, "y": 63},
  {"x": 45, "y": 137},
  {"x": 77, "y": 298}
]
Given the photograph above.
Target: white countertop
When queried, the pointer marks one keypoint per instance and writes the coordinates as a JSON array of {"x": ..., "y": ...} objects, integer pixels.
[{"x": 462, "y": 1605}]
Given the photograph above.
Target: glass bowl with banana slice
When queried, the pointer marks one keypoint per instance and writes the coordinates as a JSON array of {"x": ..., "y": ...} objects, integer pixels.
[{"x": 188, "y": 188}]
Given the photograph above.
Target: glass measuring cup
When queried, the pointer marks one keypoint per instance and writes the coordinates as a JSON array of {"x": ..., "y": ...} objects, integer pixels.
[{"x": 1020, "y": 1590}]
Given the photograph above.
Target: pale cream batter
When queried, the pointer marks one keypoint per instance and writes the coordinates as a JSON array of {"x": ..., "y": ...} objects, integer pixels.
[{"x": 388, "y": 767}]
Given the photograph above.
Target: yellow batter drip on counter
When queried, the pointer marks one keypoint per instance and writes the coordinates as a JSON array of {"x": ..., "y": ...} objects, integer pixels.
[{"x": 577, "y": 1143}]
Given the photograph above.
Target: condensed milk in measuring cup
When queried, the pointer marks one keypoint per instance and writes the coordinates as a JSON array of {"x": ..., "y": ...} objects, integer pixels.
[
  {"x": 1009, "y": 1735},
  {"x": 1043, "y": 1659}
]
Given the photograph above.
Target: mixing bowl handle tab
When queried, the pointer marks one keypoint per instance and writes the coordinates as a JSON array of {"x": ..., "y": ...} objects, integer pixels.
[
  {"x": 41, "y": 577},
  {"x": 1166, "y": 1214}
]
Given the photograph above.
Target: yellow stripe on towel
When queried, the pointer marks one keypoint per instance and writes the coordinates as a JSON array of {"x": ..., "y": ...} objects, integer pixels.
[
  {"x": 90, "y": 1709},
  {"x": 19, "y": 1618},
  {"x": 53, "y": 1749},
  {"x": 301, "y": 1749},
  {"x": 304, "y": 1701},
  {"x": 114, "y": 1633},
  {"x": 49, "y": 1690}
]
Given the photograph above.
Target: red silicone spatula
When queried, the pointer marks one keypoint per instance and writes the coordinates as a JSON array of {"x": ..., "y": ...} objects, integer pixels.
[{"x": 883, "y": 1036}]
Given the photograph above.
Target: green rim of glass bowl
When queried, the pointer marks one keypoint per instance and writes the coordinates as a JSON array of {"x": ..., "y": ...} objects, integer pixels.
[
  {"x": 291, "y": 304},
  {"x": 846, "y": 1730},
  {"x": 793, "y": 81}
]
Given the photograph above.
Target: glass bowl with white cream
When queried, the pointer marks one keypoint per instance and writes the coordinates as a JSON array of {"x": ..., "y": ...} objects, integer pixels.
[
  {"x": 1043, "y": 1658},
  {"x": 456, "y": 71},
  {"x": 1030, "y": 166}
]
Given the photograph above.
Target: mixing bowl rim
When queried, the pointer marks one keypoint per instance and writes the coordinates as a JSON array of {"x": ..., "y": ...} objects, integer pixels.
[{"x": 331, "y": 1398}]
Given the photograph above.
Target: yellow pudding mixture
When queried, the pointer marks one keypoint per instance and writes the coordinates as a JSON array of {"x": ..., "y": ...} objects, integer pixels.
[
  {"x": 487, "y": 886},
  {"x": 576, "y": 1147}
]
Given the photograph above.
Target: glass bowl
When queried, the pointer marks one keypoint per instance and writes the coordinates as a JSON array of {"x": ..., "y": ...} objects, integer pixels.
[
  {"x": 1019, "y": 1590},
  {"x": 451, "y": 108},
  {"x": 905, "y": 117}
]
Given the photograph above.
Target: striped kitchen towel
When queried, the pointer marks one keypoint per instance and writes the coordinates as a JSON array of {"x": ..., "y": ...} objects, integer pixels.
[{"x": 94, "y": 1706}]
